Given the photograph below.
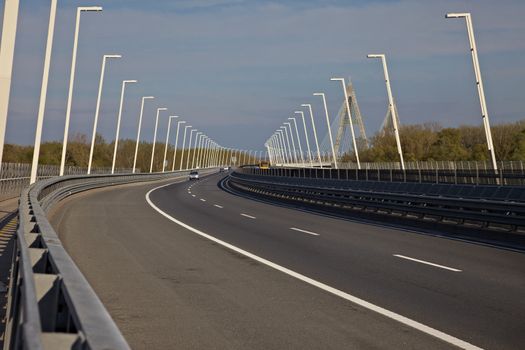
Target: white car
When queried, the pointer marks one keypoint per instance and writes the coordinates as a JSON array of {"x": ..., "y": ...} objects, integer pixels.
[{"x": 194, "y": 175}]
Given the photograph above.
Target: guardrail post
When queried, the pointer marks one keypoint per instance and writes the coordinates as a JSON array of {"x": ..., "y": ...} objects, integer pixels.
[{"x": 437, "y": 175}]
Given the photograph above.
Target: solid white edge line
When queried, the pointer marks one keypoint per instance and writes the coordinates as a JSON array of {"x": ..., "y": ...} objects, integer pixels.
[
  {"x": 387, "y": 313},
  {"x": 218, "y": 206},
  {"x": 304, "y": 231},
  {"x": 248, "y": 216},
  {"x": 426, "y": 263}
]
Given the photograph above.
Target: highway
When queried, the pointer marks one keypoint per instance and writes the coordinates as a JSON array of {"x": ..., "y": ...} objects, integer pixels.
[{"x": 156, "y": 256}]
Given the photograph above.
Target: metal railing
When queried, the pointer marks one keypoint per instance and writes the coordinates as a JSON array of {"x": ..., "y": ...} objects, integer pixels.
[
  {"x": 51, "y": 305},
  {"x": 504, "y": 177},
  {"x": 15, "y": 176},
  {"x": 500, "y": 207}
]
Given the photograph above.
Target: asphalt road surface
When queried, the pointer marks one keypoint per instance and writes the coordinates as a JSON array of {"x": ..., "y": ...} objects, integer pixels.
[{"x": 290, "y": 279}]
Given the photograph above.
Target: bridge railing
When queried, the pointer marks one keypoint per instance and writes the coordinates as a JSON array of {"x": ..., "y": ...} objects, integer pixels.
[
  {"x": 494, "y": 213},
  {"x": 503, "y": 177},
  {"x": 51, "y": 305},
  {"x": 15, "y": 176}
]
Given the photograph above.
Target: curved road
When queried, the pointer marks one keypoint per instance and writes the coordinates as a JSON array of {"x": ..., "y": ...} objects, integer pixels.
[{"x": 157, "y": 260}]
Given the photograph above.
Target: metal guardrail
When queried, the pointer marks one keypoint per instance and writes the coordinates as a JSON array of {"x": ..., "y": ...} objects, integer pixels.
[
  {"x": 14, "y": 177},
  {"x": 51, "y": 305},
  {"x": 504, "y": 177},
  {"x": 485, "y": 206}
]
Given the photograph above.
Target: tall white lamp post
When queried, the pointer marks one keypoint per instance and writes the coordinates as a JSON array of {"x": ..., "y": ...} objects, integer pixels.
[
  {"x": 72, "y": 81},
  {"x": 138, "y": 131},
  {"x": 298, "y": 139},
  {"x": 101, "y": 84},
  {"x": 176, "y": 144},
  {"x": 155, "y": 137},
  {"x": 306, "y": 137},
  {"x": 342, "y": 80},
  {"x": 479, "y": 82},
  {"x": 43, "y": 91},
  {"x": 391, "y": 106},
  {"x": 124, "y": 82},
  {"x": 315, "y": 131},
  {"x": 167, "y": 141},
  {"x": 334, "y": 158},
  {"x": 197, "y": 137},
  {"x": 183, "y": 143}
]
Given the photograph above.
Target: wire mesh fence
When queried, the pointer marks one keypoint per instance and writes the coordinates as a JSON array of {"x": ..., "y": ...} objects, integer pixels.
[{"x": 15, "y": 176}]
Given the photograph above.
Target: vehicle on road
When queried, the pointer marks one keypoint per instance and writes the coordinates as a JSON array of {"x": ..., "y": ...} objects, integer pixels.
[
  {"x": 226, "y": 168},
  {"x": 194, "y": 175}
]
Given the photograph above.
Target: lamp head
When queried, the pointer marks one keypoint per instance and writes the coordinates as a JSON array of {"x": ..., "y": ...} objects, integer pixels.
[
  {"x": 318, "y": 94},
  {"x": 112, "y": 56},
  {"x": 90, "y": 8},
  {"x": 457, "y": 15},
  {"x": 129, "y": 81},
  {"x": 148, "y": 97},
  {"x": 375, "y": 55},
  {"x": 337, "y": 79}
]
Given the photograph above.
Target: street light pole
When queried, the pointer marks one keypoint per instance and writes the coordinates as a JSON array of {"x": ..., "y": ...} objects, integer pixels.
[
  {"x": 197, "y": 136},
  {"x": 306, "y": 137},
  {"x": 288, "y": 142},
  {"x": 342, "y": 80},
  {"x": 138, "y": 130},
  {"x": 167, "y": 141},
  {"x": 176, "y": 144},
  {"x": 155, "y": 137},
  {"x": 479, "y": 83},
  {"x": 97, "y": 110},
  {"x": 7, "y": 52},
  {"x": 124, "y": 82},
  {"x": 393, "y": 110},
  {"x": 293, "y": 143},
  {"x": 199, "y": 150},
  {"x": 189, "y": 149},
  {"x": 183, "y": 143},
  {"x": 284, "y": 151},
  {"x": 298, "y": 139},
  {"x": 315, "y": 131},
  {"x": 334, "y": 158},
  {"x": 72, "y": 82},
  {"x": 43, "y": 91}
]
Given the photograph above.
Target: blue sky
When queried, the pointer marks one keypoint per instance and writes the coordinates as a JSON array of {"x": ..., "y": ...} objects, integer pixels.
[{"x": 236, "y": 69}]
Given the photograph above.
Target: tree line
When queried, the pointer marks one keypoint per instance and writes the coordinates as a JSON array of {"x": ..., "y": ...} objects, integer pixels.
[
  {"x": 420, "y": 142},
  {"x": 77, "y": 154},
  {"x": 432, "y": 142}
]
